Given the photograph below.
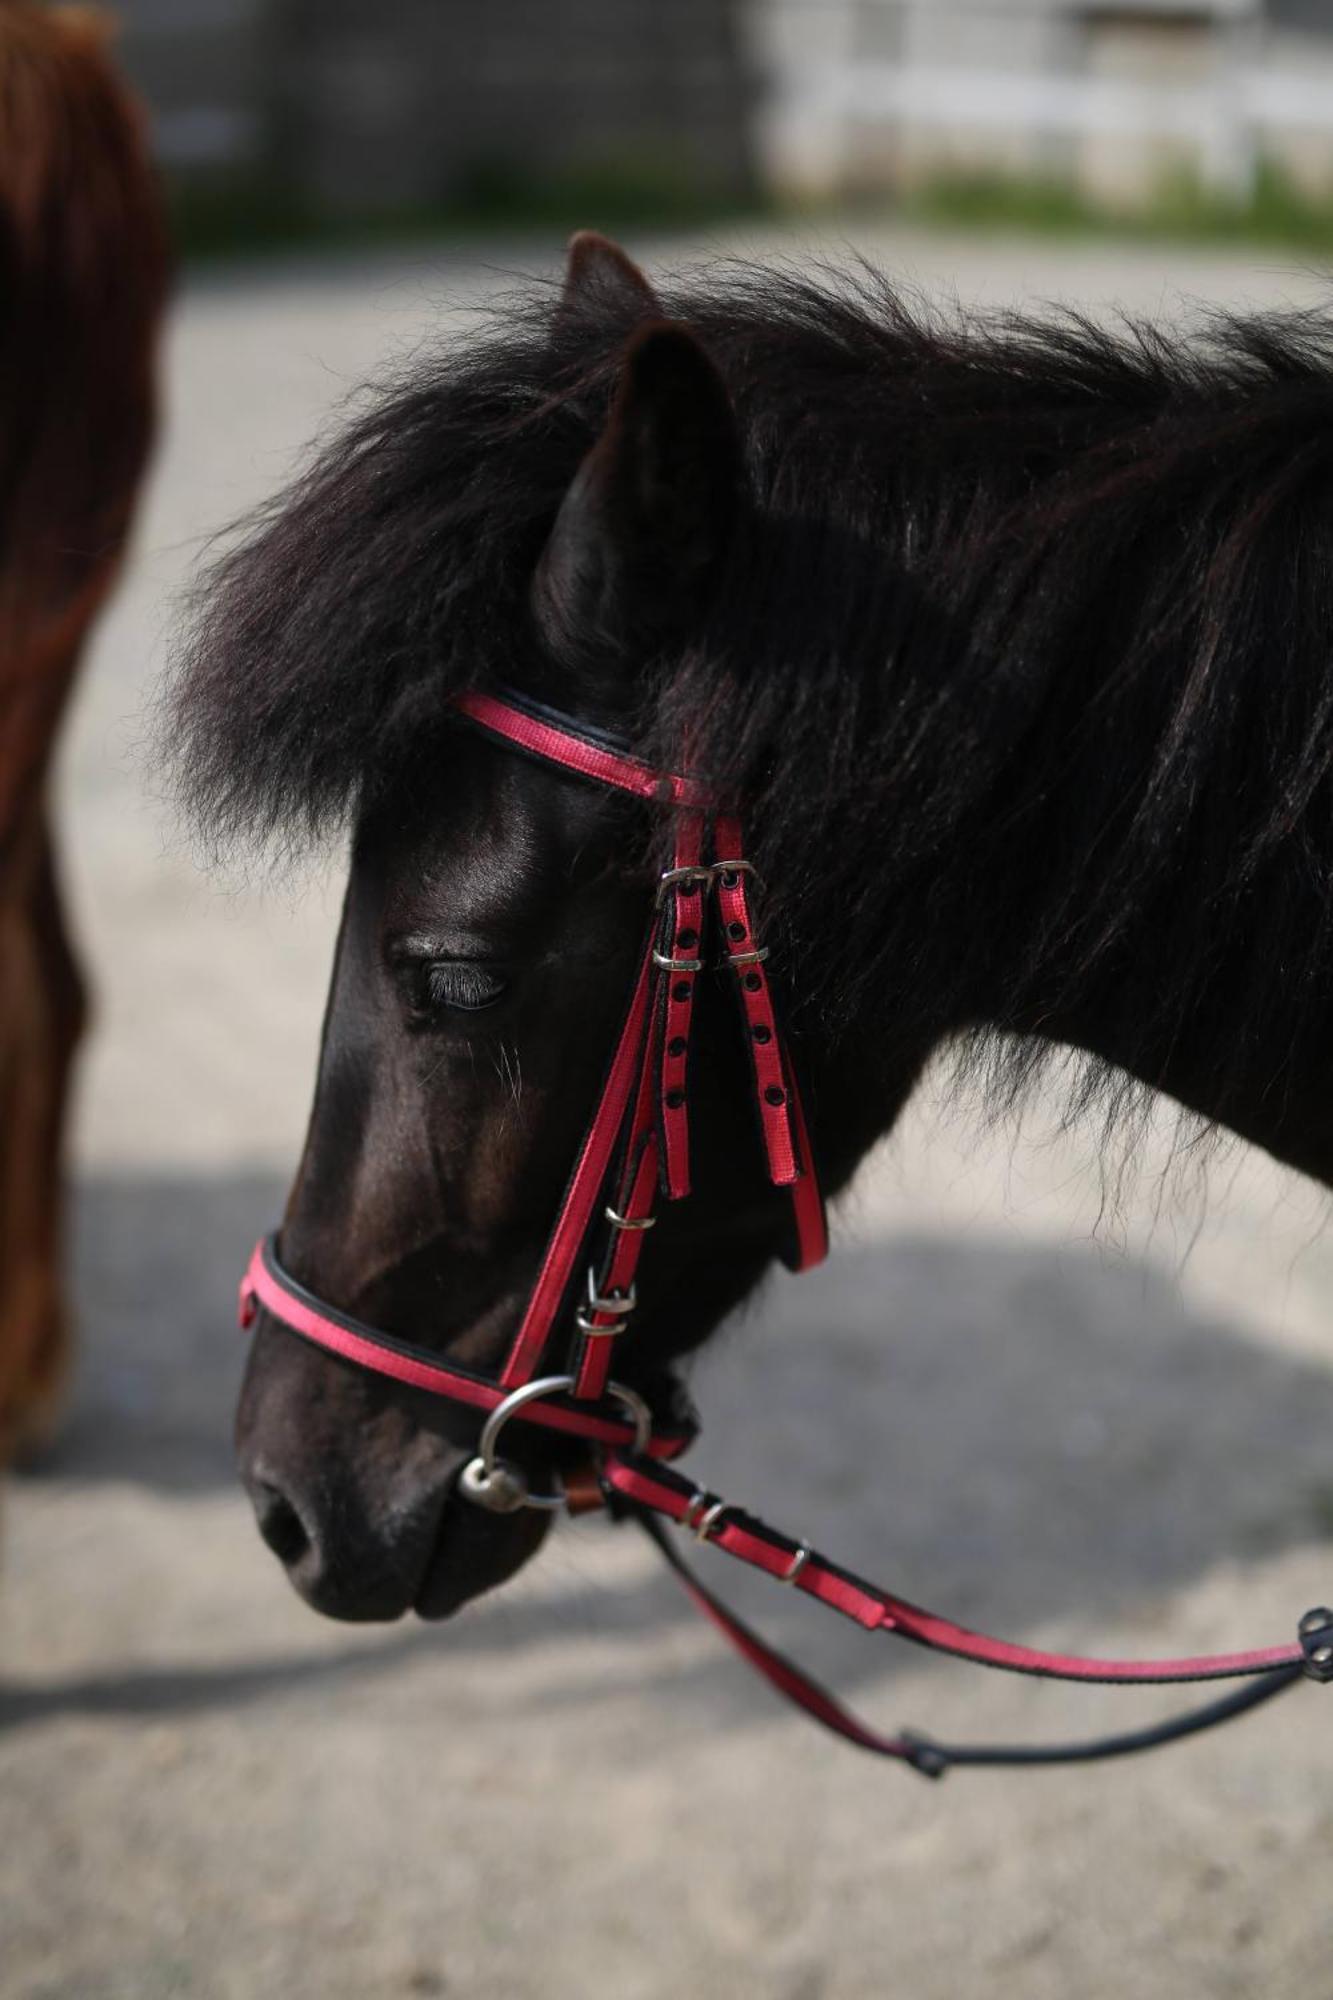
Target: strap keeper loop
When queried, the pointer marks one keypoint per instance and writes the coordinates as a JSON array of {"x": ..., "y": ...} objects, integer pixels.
[{"x": 666, "y": 963}]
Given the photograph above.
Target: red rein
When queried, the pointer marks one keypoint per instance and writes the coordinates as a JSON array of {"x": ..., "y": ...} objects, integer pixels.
[{"x": 637, "y": 1146}]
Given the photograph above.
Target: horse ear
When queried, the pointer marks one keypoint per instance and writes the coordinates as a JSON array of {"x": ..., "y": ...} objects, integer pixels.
[
  {"x": 647, "y": 520},
  {"x": 601, "y": 278}
]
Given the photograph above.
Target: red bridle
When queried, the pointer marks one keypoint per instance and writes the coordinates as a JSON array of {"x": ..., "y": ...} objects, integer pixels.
[{"x": 638, "y": 1145}]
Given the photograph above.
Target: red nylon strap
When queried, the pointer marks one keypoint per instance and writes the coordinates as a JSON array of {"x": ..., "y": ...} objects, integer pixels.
[
  {"x": 661, "y": 1104},
  {"x": 807, "y": 1199},
  {"x": 635, "y": 1206},
  {"x": 674, "y": 1016},
  {"x": 742, "y": 949},
  {"x": 576, "y": 1214},
  {"x": 557, "y": 743},
  {"x": 750, "y": 1541},
  {"x": 266, "y": 1284},
  {"x": 791, "y": 1681},
  {"x": 657, "y": 1033}
]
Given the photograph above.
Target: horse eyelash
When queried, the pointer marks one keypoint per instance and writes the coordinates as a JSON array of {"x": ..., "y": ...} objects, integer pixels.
[{"x": 463, "y": 987}]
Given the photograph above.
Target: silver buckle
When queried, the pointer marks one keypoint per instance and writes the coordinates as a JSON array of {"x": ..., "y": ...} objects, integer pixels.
[
  {"x": 675, "y": 878},
  {"x": 619, "y": 1304},
  {"x": 629, "y": 1221}
]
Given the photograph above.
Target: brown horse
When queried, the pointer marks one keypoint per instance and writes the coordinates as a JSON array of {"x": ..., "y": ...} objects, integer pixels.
[{"x": 83, "y": 264}]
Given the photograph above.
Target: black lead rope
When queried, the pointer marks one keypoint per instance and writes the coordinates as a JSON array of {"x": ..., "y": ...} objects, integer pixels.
[{"x": 932, "y": 1759}]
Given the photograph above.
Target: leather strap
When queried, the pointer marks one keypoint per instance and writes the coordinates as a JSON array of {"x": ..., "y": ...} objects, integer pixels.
[
  {"x": 266, "y": 1284},
  {"x": 925, "y": 1754},
  {"x": 657, "y": 1491}
]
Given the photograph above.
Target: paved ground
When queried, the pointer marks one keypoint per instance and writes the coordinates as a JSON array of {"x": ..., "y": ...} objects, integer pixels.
[{"x": 1102, "y": 1430}]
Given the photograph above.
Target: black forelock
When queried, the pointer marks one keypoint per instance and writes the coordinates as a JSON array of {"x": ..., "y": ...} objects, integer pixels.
[{"x": 989, "y": 563}]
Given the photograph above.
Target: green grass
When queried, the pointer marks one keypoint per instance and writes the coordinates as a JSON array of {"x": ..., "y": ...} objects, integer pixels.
[
  {"x": 1179, "y": 209},
  {"x": 252, "y": 218}
]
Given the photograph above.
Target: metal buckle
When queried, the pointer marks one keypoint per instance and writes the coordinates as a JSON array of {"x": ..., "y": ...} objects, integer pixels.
[
  {"x": 702, "y": 1515},
  {"x": 745, "y": 957},
  {"x": 629, "y": 1221},
  {"x": 675, "y": 878},
  {"x": 498, "y": 1485},
  {"x": 669, "y": 964},
  {"x": 619, "y": 1304},
  {"x": 738, "y": 867}
]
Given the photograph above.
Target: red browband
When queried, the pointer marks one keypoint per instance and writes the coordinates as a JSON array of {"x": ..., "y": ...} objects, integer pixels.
[{"x": 637, "y": 1146}]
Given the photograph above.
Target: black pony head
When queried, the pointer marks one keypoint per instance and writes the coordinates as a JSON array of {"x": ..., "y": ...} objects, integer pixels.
[{"x": 1012, "y": 638}]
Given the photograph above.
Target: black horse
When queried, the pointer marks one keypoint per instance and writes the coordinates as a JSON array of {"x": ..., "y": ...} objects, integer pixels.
[{"x": 1014, "y": 639}]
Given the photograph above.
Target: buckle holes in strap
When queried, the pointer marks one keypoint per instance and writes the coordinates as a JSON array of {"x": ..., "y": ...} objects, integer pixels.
[
  {"x": 687, "y": 940},
  {"x": 736, "y": 930},
  {"x": 674, "y": 1100},
  {"x": 677, "y": 1045},
  {"x": 681, "y": 990},
  {"x": 760, "y": 1033},
  {"x": 753, "y": 982},
  {"x": 775, "y": 1094}
]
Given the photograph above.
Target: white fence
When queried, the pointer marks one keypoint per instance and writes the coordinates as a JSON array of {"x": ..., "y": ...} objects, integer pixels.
[{"x": 860, "y": 92}]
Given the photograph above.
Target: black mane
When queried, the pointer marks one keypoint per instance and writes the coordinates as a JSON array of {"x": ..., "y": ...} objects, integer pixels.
[{"x": 1022, "y": 666}]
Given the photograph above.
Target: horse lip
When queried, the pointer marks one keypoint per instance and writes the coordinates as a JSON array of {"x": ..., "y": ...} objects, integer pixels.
[{"x": 473, "y": 1552}]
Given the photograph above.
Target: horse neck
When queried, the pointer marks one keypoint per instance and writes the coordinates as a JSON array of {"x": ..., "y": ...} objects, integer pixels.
[{"x": 1124, "y": 879}]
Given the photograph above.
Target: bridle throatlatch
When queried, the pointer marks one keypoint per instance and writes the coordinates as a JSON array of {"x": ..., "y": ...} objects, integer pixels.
[{"x": 637, "y": 1148}]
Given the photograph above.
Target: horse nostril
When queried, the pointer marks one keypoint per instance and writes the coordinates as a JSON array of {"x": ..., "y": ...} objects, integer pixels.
[{"x": 279, "y": 1523}]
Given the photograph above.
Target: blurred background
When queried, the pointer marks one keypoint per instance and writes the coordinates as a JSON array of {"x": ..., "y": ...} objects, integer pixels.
[
  {"x": 1087, "y": 1407},
  {"x": 278, "y": 117}
]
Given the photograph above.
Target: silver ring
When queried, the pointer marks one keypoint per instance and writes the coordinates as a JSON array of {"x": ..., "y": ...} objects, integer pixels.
[
  {"x": 485, "y": 1468},
  {"x": 554, "y": 1385}
]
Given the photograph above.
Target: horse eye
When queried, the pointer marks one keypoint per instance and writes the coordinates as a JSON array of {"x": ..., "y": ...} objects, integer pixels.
[{"x": 457, "y": 986}]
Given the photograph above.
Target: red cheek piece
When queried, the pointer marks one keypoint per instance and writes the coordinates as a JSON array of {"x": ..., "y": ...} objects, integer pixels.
[
  {"x": 745, "y": 957},
  {"x": 679, "y": 963}
]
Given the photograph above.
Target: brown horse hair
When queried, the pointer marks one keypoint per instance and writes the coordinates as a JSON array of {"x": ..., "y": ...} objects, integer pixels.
[{"x": 83, "y": 276}]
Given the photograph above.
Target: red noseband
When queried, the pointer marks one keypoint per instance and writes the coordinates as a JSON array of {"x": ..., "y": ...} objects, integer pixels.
[{"x": 636, "y": 1148}]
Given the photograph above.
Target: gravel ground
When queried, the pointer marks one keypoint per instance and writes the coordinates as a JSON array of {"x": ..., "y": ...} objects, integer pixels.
[{"x": 1107, "y": 1423}]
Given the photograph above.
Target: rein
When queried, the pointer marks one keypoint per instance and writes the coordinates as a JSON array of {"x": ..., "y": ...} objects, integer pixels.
[{"x": 637, "y": 1147}]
